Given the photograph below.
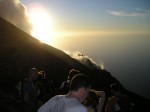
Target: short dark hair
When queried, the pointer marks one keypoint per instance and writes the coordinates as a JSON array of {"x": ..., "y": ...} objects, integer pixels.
[
  {"x": 115, "y": 87},
  {"x": 33, "y": 70},
  {"x": 72, "y": 73},
  {"x": 79, "y": 81},
  {"x": 92, "y": 99}
]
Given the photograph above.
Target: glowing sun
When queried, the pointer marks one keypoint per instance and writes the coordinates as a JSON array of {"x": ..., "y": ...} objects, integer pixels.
[{"x": 42, "y": 24}]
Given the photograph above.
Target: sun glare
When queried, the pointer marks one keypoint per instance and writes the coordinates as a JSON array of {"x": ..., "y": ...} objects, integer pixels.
[{"x": 42, "y": 25}]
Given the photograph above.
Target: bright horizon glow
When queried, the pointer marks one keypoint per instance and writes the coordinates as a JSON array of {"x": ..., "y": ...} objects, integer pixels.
[
  {"x": 42, "y": 25},
  {"x": 98, "y": 33}
]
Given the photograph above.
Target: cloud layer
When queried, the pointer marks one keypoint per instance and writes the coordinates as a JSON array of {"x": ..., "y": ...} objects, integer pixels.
[
  {"x": 85, "y": 60},
  {"x": 15, "y": 12},
  {"x": 137, "y": 12}
]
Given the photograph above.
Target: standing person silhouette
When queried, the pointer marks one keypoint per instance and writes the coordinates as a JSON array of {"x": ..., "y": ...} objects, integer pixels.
[
  {"x": 28, "y": 91},
  {"x": 64, "y": 88},
  {"x": 43, "y": 86},
  {"x": 119, "y": 102},
  {"x": 71, "y": 102}
]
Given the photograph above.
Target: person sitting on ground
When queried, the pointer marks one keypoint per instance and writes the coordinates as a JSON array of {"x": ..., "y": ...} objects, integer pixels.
[
  {"x": 119, "y": 102},
  {"x": 64, "y": 88},
  {"x": 28, "y": 90},
  {"x": 71, "y": 102},
  {"x": 95, "y": 101}
]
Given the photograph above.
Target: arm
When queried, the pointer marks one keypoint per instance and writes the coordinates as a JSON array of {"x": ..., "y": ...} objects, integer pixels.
[
  {"x": 100, "y": 105},
  {"x": 110, "y": 104}
]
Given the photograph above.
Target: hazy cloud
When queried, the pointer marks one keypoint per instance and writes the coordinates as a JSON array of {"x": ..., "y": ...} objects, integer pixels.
[
  {"x": 137, "y": 12},
  {"x": 15, "y": 12},
  {"x": 85, "y": 60}
]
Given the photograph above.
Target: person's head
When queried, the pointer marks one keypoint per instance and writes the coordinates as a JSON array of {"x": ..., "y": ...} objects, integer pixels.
[
  {"x": 80, "y": 84},
  {"x": 33, "y": 73},
  {"x": 115, "y": 89},
  {"x": 92, "y": 99},
  {"x": 41, "y": 74},
  {"x": 72, "y": 73}
]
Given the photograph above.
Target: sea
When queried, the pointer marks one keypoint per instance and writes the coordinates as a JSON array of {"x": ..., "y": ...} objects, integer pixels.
[{"x": 126, "y": 57}]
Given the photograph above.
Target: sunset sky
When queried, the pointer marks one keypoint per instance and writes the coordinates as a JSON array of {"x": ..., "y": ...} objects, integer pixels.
[
  {"x": 78, "y": 18},
  {"x": 115, "y": 33},
  {"x": 96, "y": 15}
]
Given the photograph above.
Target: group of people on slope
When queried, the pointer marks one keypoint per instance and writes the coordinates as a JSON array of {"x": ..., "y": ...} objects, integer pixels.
[
  {"x": 94, "y": 101},
  {"x": 77, "y": 96},
  {"x": 35, "y": 89}
]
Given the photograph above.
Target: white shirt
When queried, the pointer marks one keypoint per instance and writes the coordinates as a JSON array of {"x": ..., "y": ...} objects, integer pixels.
[{"x": 60, "y": 103}]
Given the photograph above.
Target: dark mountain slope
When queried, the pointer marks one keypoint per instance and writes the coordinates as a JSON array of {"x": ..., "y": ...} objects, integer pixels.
[{"x": 20, "y": 52}]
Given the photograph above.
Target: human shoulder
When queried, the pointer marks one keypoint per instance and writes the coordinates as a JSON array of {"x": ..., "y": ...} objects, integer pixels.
[
  {"x": 26, "y": 85},
  {"x": 51, "y": 103},
  {"x": 76, "y": 106},
  {"x": 25, "y": 80},
  {"x": 113, "y": 98},
  {"x": 57, "y": 97}
]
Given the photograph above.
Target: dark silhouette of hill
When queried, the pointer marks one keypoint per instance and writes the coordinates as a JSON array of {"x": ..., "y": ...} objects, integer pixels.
[{"x": 20, "y": 52}]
